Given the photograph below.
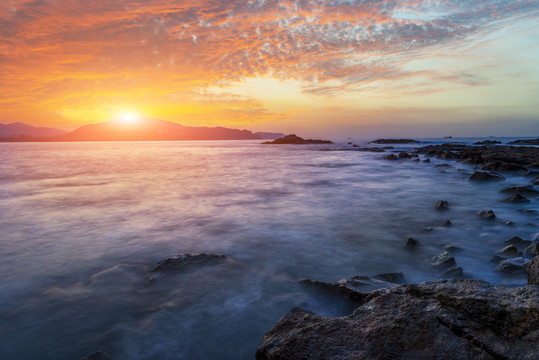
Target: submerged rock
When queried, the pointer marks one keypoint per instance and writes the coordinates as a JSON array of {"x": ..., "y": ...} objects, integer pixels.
[
  {"x": 487, "y": 214},
  {"x": 394, "y": 278},
  {"x": 186, "y": 261},
  {"x": 391, "y": 157},
  {"x": 411, "y": 243},
  {"x": 452, "y": 248},
  {"x": 525, "y": 142},
  {"x": 512, "y": 266},
  {"x": 485, "y": 176},
  {"x": 426, "y": 161},
  {"x": 97, "y": 356},
  {"x": 502, "y": 166},
  {"x": 533, "y": 249},
  {"x": 515, "y": 198},
  {"x": 521, "y": 190},
  {"x": 508, "y": 251},
  {"x": 405, "y": 155},
  {"x": 487, "y": 142},
  {"x": 455, "y": 272},
  {"x": 442, "y": 204},
  {"x": 442, "y": 319},
  {"x": 532, "y": 271},
  {"x": 517, "y": 241}
]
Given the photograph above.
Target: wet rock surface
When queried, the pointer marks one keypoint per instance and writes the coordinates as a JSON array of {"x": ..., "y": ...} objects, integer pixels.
[
  {"x": 520, "y": 190},
  {"x": 391, "y": 157},
  {"x": 442, "y": 204},
  {"x": 487, "y": 142},
  {"x": 487, "y": 214},
  {"x": 354, "y": 287},
  {"x": 443, "y": 261},
  {"x": 411, "y": 243},
  {"x": 442, "y": 319},
  {"x": 486, "y": 176},
  {"x": 187, "y": 261},
  {"x": 532, "y": 271},
  {"x": 512, "y": 266},
  {"x": 517, "y": 241},
  {"x": 515, "y": 198},
  {"x": 525, "y": 142}
]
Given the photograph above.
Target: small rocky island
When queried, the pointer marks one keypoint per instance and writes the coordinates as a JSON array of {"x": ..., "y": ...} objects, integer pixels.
[{"x": 294, "y": 139}]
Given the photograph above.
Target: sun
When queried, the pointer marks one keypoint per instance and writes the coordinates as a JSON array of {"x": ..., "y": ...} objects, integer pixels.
[{"x": 128, "y": 118}]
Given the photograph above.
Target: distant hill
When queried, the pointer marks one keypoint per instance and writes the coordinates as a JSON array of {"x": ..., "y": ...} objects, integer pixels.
[
  {"x": 18, "y": 129},
  {"x": 152, "y": 129},
  {"x": 269, "y": 135}
]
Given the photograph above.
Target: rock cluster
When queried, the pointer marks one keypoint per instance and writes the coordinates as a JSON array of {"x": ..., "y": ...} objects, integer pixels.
[
  {"x": 442, "y": 319},
  {"x": 294, "y": 139}
]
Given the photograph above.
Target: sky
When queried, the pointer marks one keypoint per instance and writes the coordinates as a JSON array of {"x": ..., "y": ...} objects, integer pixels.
[{"x": 334, "y": 68}]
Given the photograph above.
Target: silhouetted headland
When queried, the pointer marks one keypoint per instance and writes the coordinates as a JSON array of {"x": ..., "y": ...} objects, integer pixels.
[
  {"x": 143, "y": 129},
  {"x": 20, "y": 130}
]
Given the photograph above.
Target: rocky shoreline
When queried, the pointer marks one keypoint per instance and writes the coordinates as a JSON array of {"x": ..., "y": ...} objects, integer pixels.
[
  {"x": 441, "y": 319},
  {"x": 452, "y": 317}
]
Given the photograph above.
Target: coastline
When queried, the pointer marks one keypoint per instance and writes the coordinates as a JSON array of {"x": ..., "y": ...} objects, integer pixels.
[{"x": 442, "y": 319}]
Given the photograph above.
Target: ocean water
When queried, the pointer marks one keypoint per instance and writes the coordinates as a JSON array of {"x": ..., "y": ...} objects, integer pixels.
[{"x": 82, "y": 225}]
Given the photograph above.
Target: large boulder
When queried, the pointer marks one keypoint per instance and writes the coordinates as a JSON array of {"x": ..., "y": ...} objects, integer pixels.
[{"x": 442, "y": 319}]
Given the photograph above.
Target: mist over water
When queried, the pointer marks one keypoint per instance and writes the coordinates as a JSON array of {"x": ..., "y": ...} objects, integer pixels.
[{"x": 82, "y": 225}]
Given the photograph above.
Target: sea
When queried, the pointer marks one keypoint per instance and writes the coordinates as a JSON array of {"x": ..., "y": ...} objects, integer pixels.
[{"x": 82, "y": 224}]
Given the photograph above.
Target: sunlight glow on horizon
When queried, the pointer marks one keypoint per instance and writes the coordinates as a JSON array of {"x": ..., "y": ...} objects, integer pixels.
[{"x": 309, "y": 67}]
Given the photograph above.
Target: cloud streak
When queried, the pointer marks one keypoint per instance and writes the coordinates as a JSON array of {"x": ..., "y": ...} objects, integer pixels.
[{"x": 51, "y": 50}]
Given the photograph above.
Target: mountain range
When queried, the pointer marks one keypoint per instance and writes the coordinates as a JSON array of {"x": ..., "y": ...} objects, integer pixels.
[
  {"x": 18, "y": 129},
  {"x": 144, "y": 129}
]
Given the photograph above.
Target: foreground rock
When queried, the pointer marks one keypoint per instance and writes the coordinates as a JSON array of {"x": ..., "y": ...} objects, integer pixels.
[
  {"x": 187, "y": 261},
  {"x": 355, "y": 287},
  {"x": 442, "y": 319},
  {"x": 294, "y": 139}
]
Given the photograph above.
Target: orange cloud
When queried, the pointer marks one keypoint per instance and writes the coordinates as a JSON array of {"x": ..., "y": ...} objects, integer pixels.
[{"x": 61, "y": 55}]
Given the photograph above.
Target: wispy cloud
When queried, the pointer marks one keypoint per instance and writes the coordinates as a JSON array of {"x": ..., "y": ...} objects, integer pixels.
[{"x": 71, "y": 48}]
